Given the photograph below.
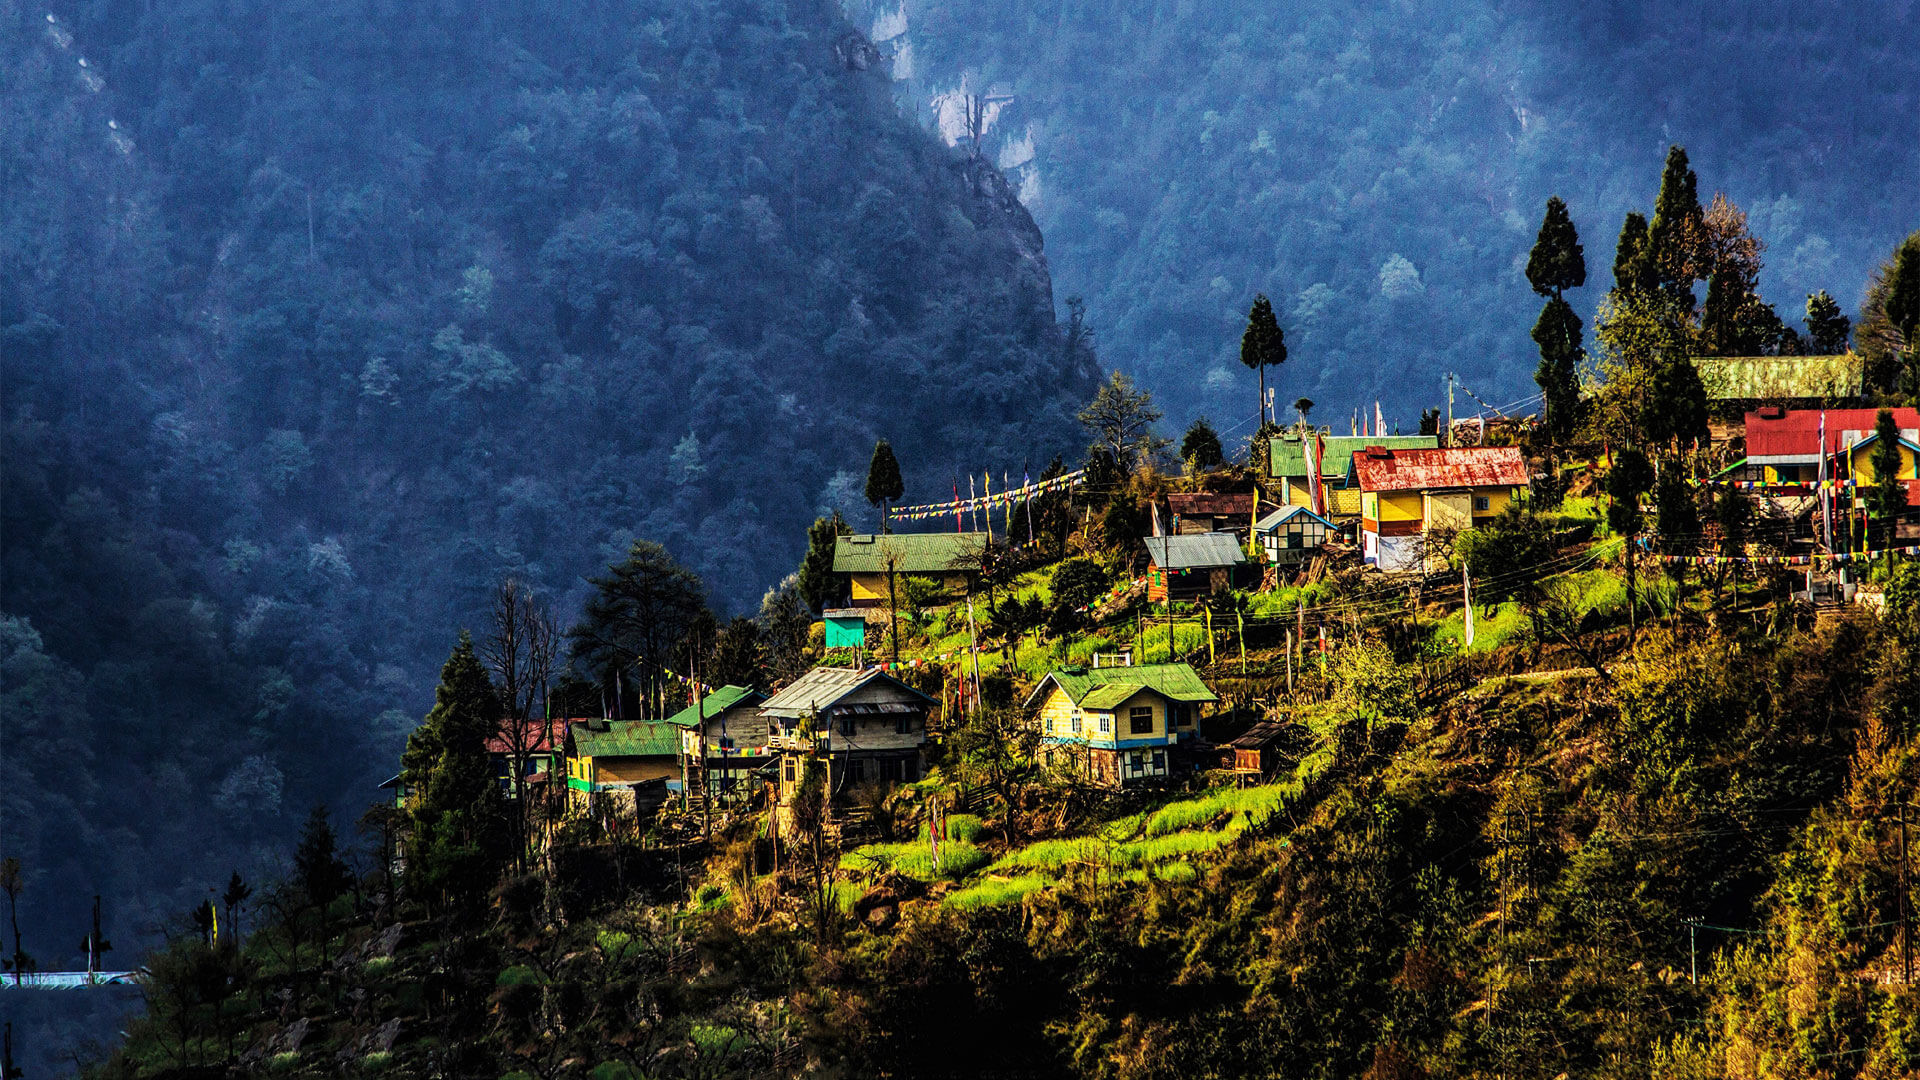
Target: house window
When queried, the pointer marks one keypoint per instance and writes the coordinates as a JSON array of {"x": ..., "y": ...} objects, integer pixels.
[
  {"x": 1181, "y": 716},
  {"x": 1482, "y": 503},
  {"x": 1106, "y": 723},
  {"x": 1140, "y": 720},
  {"x": 1046, "y": 724},
  {"x": 1076, "y": 723},
  {"x": 856, "y": 770},
  {"x": 1159, "y": 761},
  {"x": 789, "y": 770},
  {"x": 903, "y": 725},
  {"x": 846, "y": 725}
]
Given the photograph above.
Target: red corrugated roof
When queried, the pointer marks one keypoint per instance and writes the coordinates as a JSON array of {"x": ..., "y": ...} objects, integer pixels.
[
  {"x": 541, "y": 741},
  {"x": 1797, "y": 434},
  {"x": 1442, "y": 467},
  {"x": 1203, "y": 502}
]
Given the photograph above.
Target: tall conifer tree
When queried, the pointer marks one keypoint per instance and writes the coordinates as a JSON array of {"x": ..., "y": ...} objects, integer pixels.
[
  {"x": 1903, "y": 312},
  {"x": 1673, "y": 236},
  {"x": 883, "y": 480},
  {"x": 1827, "y": 329},
  {"x": 1557, "y": 263},
  {"x": 1889, "y": 495},
  {"x": 456, "y": 809},
  {"x": 1631, "y": 263},
  {"x": 1262, "y": 345}
]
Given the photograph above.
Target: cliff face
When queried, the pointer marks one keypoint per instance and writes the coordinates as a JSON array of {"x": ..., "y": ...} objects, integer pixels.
[{"x": 318, "y": 319}]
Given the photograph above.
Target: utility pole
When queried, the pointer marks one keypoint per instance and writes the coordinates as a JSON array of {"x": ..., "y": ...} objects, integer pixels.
[
  {"x": 1693, "y": 951},
  {"x": 700, "y": 744},
  {"x": 973, "y": 647},
  {"x": 1169, "y": 620}
]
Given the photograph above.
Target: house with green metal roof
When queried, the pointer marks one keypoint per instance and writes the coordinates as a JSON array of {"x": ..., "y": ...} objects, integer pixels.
[
  {"x": 950, "y": 558},
  {"x": 1742, "y": 381},
  {"x": 622, "y": 765},
  {"x": 1118, "y": 725},
  {"x": 723, "y": 739},
  {"x": 1287, "y": 462}
]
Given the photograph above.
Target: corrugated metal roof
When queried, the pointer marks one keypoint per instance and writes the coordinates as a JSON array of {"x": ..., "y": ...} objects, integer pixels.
[
  {"x": 1440, "y": 467},
  {"x": 714, "y": 704},
  {"x": 823, "y": 686},
  {"x": 1187, "y": 503},
  {"x": 1753, "y": 377},
  {"x": 912, "y": 553},
  {"x": 1287, "y": 513},
  {"x": 1285, "y": 456},
  {"x": 626, "y": 738},
  {"x": 1195, "y": 551},
  {"x": 1179, "y": 682},
  {"x": 541, "y": 737},
  {"x": 1259, "y": 736},
  {"x": 1796, "y": 433}
]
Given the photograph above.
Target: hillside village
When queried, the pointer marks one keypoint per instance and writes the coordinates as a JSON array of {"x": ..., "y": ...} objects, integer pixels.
[
  {"x": 1234, "y": 554},
  {"x": 1571, "y": 738}
]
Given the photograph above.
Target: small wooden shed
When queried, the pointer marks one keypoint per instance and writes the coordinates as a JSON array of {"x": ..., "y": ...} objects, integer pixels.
[
  {"x": 1292, "y": 534},
  {"x": 1256, "y": 751},
  {"x": 1193, "y": 565}
]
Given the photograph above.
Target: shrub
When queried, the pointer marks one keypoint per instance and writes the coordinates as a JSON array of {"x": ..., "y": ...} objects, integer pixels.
[{"x": 996, "y": 891}]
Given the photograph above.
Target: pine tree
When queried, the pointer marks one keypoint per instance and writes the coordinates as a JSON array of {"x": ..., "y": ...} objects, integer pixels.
[
  {"x": 317, "y": 868},
  {"x": 1827, "y": 329},
  {"x": 1262, "y": 345},
  {"x": 1884, "y": 334},
  {"x": 1677, "y": 518},
  {"x": 1676, "y": 410},
  {"x": 1201, "y": 449},
  {"x": 637, "y": 619},
  {"x": 883, "y": 480},
  {"x": 1889, "y": 495},
  {"x": 1673, "y": 237},
  {"x": 456, "y": 812},
  {"x": 318, "y": 871},
  {"x": 1556, "y": 264},
  {"x": 1630, "y": 255},
  {"x": 1903, "y": 312},
  {"x": 815, "y": 580},
  {"x": 1557, "y": 333}
]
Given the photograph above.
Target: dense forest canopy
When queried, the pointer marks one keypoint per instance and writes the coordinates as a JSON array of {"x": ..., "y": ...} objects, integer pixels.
[
  {"x": 1379, "y": 171},
  {"x": 320, "y": 319}
]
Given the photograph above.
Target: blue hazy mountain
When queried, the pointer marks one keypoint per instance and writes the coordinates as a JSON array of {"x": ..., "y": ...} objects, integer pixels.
[{"x": 1380, "y": 170}]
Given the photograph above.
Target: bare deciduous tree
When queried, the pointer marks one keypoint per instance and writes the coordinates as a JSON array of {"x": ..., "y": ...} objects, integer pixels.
[{"x": 520, "y": 650}]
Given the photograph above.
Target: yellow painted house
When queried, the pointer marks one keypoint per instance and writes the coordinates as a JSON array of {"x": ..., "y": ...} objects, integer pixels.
[
  {"x": 1287, "y": 463},
  {"x": 949, "y": 559},
  {"x": 1858, "y": 464},
  {"x": 1118, "y": 725},
  {"x": 1407, "y": 495},
  {"x": 623, "y": 765}
]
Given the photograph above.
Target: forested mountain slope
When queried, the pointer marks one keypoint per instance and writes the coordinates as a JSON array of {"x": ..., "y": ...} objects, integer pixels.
[
  {"x": 1379, "y": 170},
  {"x": 319, "y": 318}
]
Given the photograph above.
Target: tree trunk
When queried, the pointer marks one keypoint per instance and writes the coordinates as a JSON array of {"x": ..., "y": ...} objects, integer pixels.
[
  {"x": 893, "y": 614},
  {"x": 1260, "y": 407}
]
